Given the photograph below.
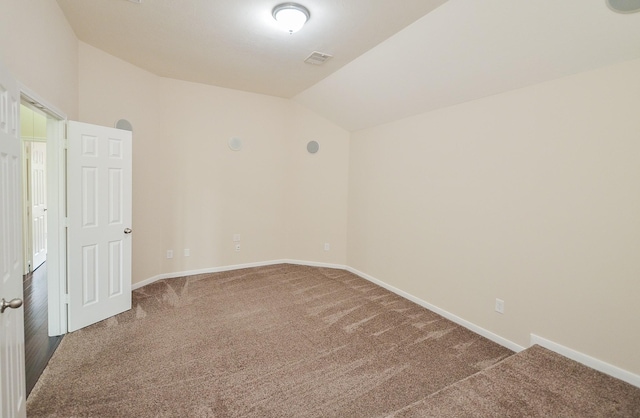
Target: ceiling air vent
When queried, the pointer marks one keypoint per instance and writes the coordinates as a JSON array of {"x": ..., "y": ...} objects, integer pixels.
[{"x": 317, "y": 58}]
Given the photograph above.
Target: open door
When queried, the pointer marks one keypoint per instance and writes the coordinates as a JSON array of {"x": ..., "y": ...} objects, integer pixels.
[
  {"x": 99, "y": 193},
  {"x": 12, "y": 377}
]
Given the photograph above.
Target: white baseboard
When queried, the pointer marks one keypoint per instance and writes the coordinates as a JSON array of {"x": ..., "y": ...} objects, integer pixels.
[
  {"x": 463, "y": 322},
  {"x": 567, "y": 352},
  {"x": 588, "y": 361},
  {"x": 163, "y": 276},
  {"x": 469, "y": 325},
  {"x": 316, "y": 264}
]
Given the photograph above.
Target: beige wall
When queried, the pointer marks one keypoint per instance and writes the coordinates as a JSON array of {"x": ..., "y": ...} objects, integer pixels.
[
  {"x": 318, "y": 187},
  {"x": 529, "y": 196},
  {"x": 211, "y": 192},
  {"x": 112, "y": 89},
  {"x": 192, "y": 192},
  {"x": 40, "y": 49}
]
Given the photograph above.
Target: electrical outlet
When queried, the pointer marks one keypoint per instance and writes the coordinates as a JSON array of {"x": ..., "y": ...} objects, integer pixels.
[
  {"x": 499, "y": 305},
  {"x": 187, "y": 252},
  {"x": 327, "y": 246},
  {"x": 237, "y": 247},
  {"x": 169, "y": 253},
  {"x": 236, "y": 237}
]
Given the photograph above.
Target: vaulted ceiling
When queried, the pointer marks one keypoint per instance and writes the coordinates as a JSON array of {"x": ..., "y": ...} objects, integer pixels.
[
  {"x": 237, "y": 44},
  {"x": 392, "y": 58}
]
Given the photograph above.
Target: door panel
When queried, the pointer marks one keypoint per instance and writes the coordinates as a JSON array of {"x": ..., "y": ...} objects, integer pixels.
[
  {"x": 39, "y": 202},
  {"x": 12, "y": 378},
  {"x": 99, "y": 206}
]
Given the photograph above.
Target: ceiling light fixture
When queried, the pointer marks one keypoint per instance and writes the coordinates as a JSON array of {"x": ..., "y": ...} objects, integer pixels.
[
  {"x": 291, "y": 16},
  {"x": 624, "y": 6}
]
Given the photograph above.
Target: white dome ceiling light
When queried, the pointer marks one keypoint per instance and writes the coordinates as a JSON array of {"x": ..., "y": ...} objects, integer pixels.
[
  {"x": 624, "y": 6},
  {"x": 291, "y": 16}
]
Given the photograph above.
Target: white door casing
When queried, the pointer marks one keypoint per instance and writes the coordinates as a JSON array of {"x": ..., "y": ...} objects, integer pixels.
[
  {"x": 99, "y": 193},
  {"x": 12, "y": 377},
  {"x": 38, "y": 192}
]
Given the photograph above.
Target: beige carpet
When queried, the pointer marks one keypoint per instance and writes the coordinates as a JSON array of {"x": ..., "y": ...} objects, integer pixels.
[
  {"x": 533, "y": 383},
  {"x": 294, "y": 341}
]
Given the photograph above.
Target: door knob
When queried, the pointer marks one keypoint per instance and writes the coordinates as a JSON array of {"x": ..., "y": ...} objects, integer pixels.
[
  {"x": 128, "y": 231},
  {"x": 13, "y": 304}
]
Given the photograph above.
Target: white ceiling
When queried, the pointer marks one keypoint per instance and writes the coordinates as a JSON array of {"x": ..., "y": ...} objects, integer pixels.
[
  {"x": 237, "y": 44},
  {"x": 392, "y": 59},
  {"x": 468, "y": 49}
]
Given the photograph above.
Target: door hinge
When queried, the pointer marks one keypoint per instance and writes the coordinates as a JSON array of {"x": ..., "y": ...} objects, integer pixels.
[
  {"x": 66, "y": 299},
  {"x": 65, "y": 144},
  {"x": 65, "y": 222}
]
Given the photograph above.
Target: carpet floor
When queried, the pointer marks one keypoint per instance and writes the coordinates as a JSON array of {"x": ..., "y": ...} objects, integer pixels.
[
  {"x": 533, "y": 383},
  {"x": 296, "y": 341}
]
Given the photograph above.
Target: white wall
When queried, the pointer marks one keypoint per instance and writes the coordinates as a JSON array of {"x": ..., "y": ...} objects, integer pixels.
[
  {"x": 192, "y": 192},
  {"x": 531, "y": 196},
  {"x": 40, "y": 49}
]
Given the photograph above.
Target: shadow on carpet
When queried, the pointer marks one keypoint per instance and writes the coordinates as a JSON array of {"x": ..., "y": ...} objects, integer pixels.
[{"x": 291, "y": 341}]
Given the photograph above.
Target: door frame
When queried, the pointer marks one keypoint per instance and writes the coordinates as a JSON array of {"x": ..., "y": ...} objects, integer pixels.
[{"x": 57, "y": 210}]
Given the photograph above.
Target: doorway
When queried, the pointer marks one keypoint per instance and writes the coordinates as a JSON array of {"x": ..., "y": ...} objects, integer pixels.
[
  {"x": 33, "y": 134},
  {"x": 99, "y": 160},
  {"x": 42, "y": 162}
]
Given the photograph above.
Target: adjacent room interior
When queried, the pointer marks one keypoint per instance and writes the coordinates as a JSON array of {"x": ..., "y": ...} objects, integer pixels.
[
  {"x": 39, "y": 346},
  {"x": 480, "y": 160}
]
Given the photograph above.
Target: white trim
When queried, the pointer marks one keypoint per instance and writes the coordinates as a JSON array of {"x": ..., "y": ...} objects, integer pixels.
[
  {"x": 163, "y": 276},
  {"x": 470, "y": 326},
  {"x": 56, "y": 227},
  {"x": 463, "y": 322},
  {"x": 564, "y": 351},
  {"x": 588, "y": 361},
  {"x": 316, "y": 264},
  {"x": 32, "y": 97}
]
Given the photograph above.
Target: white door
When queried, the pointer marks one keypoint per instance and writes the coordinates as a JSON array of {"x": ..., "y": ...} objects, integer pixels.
[
  {"x": 12, "y": 380},
  {"x": 38, "y": 191},
  {"x": 99, "y": 211}
]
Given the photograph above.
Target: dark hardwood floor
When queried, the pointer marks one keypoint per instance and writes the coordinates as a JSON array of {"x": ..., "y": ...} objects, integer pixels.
[{"x": 39, "y": 347}]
